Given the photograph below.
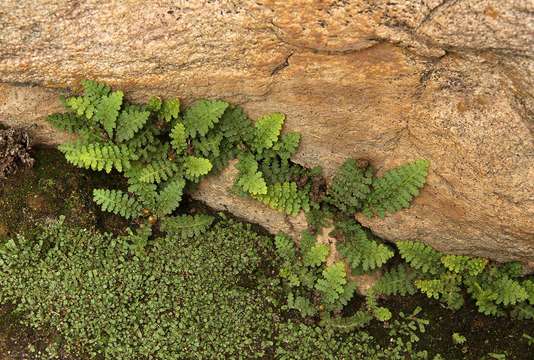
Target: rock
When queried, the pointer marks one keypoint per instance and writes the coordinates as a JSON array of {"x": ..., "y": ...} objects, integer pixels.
[{"x": 449, "y": 81}]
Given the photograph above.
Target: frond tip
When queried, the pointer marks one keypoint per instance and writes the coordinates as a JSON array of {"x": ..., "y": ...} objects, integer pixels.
[{"x": 117, "y": 202}]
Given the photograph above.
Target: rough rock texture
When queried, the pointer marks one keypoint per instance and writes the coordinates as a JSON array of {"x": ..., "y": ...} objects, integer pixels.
[{"x": 448, "y": 80}]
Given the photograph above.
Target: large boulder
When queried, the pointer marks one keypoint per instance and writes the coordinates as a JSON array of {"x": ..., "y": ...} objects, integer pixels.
[{"x": 448, "y": 81}]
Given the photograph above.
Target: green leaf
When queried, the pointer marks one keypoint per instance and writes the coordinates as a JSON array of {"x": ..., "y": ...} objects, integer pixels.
[
  {"x": 98, "y": 156},
  {"x": 396, "y": 189},
  {"x": 266, "y": 131},
  {"x": 170, "y": 109},
  {"x": 107, "y": 111},
  {"x": 178, "y": 138},
  {"x": 129, "y": 122},
  {"x": 316, "y": 255},
  {"x": 170, "y": 197},
  {"x": 202, "y": 115},
  {"x": 117, "y": 202},
  {"x": 69, "y": 122},
  {"x": 331, "y": 286},
  {"x": 420, "y": 256},
  {"x": 196, "y": 167}
]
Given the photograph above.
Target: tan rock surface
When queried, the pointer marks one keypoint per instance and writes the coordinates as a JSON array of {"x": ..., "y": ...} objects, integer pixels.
[{"x": 391, "y": 81}]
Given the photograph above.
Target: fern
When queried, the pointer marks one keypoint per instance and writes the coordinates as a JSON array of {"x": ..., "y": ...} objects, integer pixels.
[
  {"x": 446, "y": 287},
  {"x": 460, "y": 264},
  {"x": 169, "y": 109},
  {"x": 202, "y": 116},
  {"x": 156, "y": 171},
  {"x": 208, "y": 146},
  {"x": 145, "y": 193},
  {"x": 178, "y": 138},
  {"x": 107, "y": 111},
  {"x": 316, "y": 255},
  {"x": 186, "y": 226},
  {"x": 523, "y": 312},
  {"x": 528, "y": 285},
  {"x": 396, "y": 189},
  {"x": 379, "y": 312},
  {"x": 364, "y": 254},
  {"x": 130, "y": 121},
  {"x": 509, "y": 292},
  {"x": 235, "y": 126},
  {"x": 285, "y": 197},
  {"x": 250, "y": 179},
  {"x": 300, "y": 303},
  {"x": 170, "y": 197},
  {"x": 86, "y": 105},
  {"x": 285, "y": 247},
  {"x": 196, "y": 167},
  {"x": 397, "y": 281},
  {"x": 98, "y": 156},
  {"x": 266, "y": 131},
  {"x": 420, "y": 256},
  {"x": 69, "y": 122},
  {"x": 350, "y": 187},
  {"x": 154, "y": 104},
  {"x": 332, "y": 284},
  {"x": 348, "y": 324},
  {"x": 117, "y": 202}
]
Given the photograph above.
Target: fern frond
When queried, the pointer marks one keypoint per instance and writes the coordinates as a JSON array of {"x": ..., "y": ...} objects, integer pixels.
[
  {"x": 250, "y": 179},
  {"x": 447, "y": 287},
  {"x": 178, "y": 138},
  {"x": 69, "y": 122},
  {"x": 509, "y": 292},
  {"x": 82, "y": 106},
  {"x": 95, "y": 90},
  {"x": 186, "y": 226},
  {"x": 107, "y": 111},
  {"x": 347, "y": 324},
  {"x": 156, "y": 171},
  {"x": 117, "y": 202},
  {"x": 364, "y": 254},
  {"x": 316, "y": 255},
  {"x": 285, "y": 197},
  {"x": 169, "y": 109},
  {"x": 302, "y": 304},
  {"x": 528, "y": 285},
  {"x": 146, "y": 193},
  {"x": 196, "y": 167},
  {"x": 332, "y": 284},
  {"x": 129, "y": 122},
  {"x": 169, "y": 197},
  {"x": 235, "y": 126},
  {"x": 208, "y": 146},
  {"x": 285, "y": 247},
  {"x": 460, "y": 264},
  {"x": 98, "y": 156},
  {"x": 202, "y": 116},
  {"x": 350, "y": 187},
  {"x": 154, "y": 104},
  {"x": 420, "y": 256},
  {"x": 396, "y": 189},
  {"x": 523, "y": 312},
  {"x": 266, "y": 131},
  {"x": 397, "y": 281}
]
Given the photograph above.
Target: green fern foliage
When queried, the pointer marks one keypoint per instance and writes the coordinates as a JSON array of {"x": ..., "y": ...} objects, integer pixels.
[
  {"x": 460, "y": 264},
  {"x": 107, "y": 111},
  {"x": 98, "y": 156},
  {"x": 196, "y": 167},
  {"x": 332, "y": 284},
  {"x": 117, "y": 202},
  {"x": 178, "y": 138},
  {"x": 266, "y": 131},
  {"x": 69, "y": 122},
  {"x": 396, "y": 189},
  {"x": 202, "y": 116},
  {"x": 397, "y": 281},
  {"x": 130, "y": 121},
  {"x": 156, "y": 171},
  {"x": 250, "y": 180},
  {"x": 285, "y": 197},
  {"x": 316, "y": 255},
  {"x": 420, "y": 256},
  {"x": 169, "y": 109},
  {"x": 235, "y": 126},
  {"x": 362, "y": 253},
  {"x": 348, "y": 324},
  {"x": 186, "y": 226},
  {"x": 350, "y": 187},
  {"x": 302, "y": 304},
  {"x": 170, "y": 197}
]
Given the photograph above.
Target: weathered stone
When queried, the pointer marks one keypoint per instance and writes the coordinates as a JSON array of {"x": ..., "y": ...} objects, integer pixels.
[{"x": 449, "y": 81}]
